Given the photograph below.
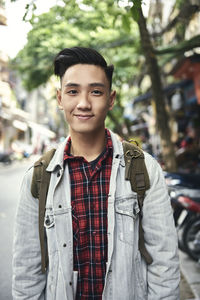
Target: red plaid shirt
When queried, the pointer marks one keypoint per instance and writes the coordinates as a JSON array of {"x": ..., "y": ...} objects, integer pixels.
[{"x": 89, "y": 192}]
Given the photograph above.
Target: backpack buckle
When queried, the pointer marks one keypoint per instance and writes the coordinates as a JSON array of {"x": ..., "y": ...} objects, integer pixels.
[
  {"x": 134, "y": 142},
  {"x": 133, "y": 153}
]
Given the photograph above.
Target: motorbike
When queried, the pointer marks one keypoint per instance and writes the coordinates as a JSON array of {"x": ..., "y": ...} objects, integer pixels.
[
  {"x": 190, "y": 226},
  {"x": 184, "y": 191}
]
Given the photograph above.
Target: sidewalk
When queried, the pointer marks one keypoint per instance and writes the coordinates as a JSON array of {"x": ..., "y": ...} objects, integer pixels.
[
  {"x": 18, "y": 163},
  {"x": 191, "y": 274}
]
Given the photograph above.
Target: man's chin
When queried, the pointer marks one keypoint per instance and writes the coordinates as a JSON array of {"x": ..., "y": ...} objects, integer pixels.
[{"x": 86, "y": 130}]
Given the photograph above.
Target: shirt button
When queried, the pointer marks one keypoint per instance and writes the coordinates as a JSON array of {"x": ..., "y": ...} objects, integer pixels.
[
  {"x": 58, "y": 174},
  {"x": 70, "y": 283},
  {"x": 94, "y": 233},
  {"x": 64, "y": 245}
]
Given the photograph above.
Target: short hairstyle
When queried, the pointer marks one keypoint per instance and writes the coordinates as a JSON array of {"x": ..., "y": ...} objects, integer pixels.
[{"x": 80, "y": 55}]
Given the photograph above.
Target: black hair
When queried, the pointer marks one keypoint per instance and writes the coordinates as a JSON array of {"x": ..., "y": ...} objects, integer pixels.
[{"x": 80, "y": 55}]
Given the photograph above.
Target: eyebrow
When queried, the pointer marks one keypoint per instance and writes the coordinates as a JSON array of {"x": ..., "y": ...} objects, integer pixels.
[
  {"x": 93, "y": 84},
  {"x": 97, "y": 84}
]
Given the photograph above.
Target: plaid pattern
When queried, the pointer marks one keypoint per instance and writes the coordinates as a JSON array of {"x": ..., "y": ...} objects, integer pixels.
[{"x": 89, "y": 193}]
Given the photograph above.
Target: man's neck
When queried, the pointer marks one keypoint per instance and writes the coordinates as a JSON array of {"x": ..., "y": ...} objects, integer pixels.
[{"x": 89, "y": 146}]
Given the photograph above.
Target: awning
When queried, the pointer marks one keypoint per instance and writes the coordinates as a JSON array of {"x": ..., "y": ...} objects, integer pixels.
[
  {"x": 20, "y": 125},
  {"x": 42, "y": 129},
  {"x": 168, "y": 89}
]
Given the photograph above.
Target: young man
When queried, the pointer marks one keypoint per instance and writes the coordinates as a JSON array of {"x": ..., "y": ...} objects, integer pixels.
[{"x": 91, "y": 215}]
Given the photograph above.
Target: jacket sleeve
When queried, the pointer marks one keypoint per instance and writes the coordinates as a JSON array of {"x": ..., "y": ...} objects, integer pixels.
[
  {"x": 160, "y": 237},
  {"x": 28, "y": 282}
]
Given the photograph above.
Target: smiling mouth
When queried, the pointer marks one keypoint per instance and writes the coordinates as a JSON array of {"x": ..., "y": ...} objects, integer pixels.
[{"x": 84, "y": 117}]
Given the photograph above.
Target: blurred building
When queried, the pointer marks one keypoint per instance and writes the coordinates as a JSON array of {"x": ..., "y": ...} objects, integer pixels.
[
  {"x": 3, "y": 20},
  {"x": 5, "y": 90},
  {"x": 11, "y": 118},
  {"x": 182, "y": 91},
  {"x": 24, "y": 122}
]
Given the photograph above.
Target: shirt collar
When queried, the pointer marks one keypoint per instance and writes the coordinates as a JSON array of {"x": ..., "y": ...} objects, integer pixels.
[
  {"x": 109, "y": 147},
  {"x": 57, "y": 160}
]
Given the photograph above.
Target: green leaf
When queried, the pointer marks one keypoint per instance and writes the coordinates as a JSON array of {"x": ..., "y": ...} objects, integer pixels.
[
  {"x": 137, "y": 3},
  {"x": 126, "y": 23},
  {"x": 135, "y": 13}
]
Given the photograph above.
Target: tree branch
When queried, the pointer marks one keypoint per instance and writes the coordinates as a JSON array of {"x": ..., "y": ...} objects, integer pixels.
[
  {"x": 181, "y": 47},
  {"x": 184, "y": 15}
]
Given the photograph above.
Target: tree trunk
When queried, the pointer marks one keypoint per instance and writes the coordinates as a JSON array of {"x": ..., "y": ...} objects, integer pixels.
[
  {"x": 118, "y": 128},
  {"x": 162, "y": 117}
]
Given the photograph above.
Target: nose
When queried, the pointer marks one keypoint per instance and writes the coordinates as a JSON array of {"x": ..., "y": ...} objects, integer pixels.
[{"x": 84, "y": 103}]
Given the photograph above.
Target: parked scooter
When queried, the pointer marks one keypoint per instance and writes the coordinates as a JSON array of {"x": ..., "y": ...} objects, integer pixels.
[
  {"x": 190, "y": 226},
  {"x": 184, "y": 191},
  {"x": 191, "y": 238}
]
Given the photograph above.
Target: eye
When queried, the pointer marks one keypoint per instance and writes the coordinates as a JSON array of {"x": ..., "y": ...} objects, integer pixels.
[
  {"x": 97, "y": 92},
  {"x": 72, "y": 92}
]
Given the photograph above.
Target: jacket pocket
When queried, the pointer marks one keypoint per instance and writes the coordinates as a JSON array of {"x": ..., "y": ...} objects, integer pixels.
[{"x": 126, "y": 212}]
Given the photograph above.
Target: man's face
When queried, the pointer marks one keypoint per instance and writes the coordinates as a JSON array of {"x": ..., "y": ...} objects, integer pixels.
[{"x": 85, "y": 98}]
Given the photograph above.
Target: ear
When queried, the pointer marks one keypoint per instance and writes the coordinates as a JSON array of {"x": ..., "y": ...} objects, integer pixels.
[
  {"x": 112, "y": 99},
  {"x": 59, "y": 98}
]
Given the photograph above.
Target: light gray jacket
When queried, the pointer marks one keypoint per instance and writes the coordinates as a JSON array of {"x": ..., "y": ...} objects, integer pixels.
[{"x": 127, "y": 277}]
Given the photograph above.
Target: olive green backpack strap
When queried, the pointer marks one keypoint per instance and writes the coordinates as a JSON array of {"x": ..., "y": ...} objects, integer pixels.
[
  {"x": 39, "y": 189},
  {"x": 136, "y": 173}
]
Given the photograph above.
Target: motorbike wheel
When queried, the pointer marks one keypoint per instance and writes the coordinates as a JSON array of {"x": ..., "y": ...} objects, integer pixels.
[
  {"x": 191, "y": 238},
  {"x": 181, "y": 245}
]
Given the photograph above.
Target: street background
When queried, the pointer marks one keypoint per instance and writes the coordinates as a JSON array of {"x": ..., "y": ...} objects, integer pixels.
[{"x": 155, "y": 49}]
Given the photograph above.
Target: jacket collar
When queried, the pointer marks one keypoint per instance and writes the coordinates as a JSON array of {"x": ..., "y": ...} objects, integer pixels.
[
  {"x": 117, "y": 145},
  {"x": 57, "y": 160}
]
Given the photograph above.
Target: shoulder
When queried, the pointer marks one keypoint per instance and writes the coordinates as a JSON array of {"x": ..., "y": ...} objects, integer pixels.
[
  {"x": 29, "y": 173},
  {"x": 150, "y": 160},
  {"x": 154, "y": 169},
  {"x": 27, "y": 179}
]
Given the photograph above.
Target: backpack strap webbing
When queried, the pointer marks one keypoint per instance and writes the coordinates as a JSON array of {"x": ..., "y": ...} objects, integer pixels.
[
  {"x": 39, "y": 189},
  {"x": 136, "y": 173}
]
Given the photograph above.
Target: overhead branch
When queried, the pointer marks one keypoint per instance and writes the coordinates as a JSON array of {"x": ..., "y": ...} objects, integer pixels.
[
  {"x": 117, "y": 43},
  {"x": 181, "y": 47},
  {"x": 185, "y": 14}
]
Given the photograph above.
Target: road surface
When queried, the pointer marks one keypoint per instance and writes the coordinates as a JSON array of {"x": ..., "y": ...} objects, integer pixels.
[{"x": 10, "y": 181}]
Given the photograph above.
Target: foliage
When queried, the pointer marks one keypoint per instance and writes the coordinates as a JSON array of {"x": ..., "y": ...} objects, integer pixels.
[
  {"x": 103, "y": 26},
  {"x": 70, "y": 26},
  {"x": 107, "y": 26},
  {"x": 2, "y": 3}
]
